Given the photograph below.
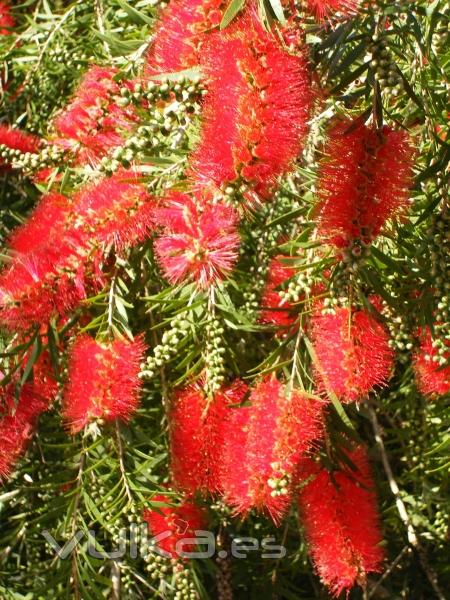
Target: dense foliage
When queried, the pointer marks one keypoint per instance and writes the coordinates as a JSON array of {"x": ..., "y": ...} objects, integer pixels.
[{"x": 224, "y": 298}]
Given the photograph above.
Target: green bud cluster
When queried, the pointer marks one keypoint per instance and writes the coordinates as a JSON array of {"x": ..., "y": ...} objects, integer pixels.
[
  {"x": 384, "y": 67},
  {"x": 48, "y": 156},
  {"x": 279, "y": 483},
  {"x": 171, "y": 107},
  {"x": 186, "y": 93},
  {"x": 164, "y": 352},
  {"x": 301, "y": 285},
  {"x": 214, "y": 356},
  {"x": 401, "y": 339},
  {"x": 162, "y": 570},
  {"x": 438, "y": 236}
]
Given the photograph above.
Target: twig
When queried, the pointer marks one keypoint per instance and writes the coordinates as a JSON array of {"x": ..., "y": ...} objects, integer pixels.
[
  {"x": 401, "y": 508},
  {"x": 115, "y": 580},
  {"x": 122, "y": 464},
  {"x": 111, "y": 303},
  {"x": 388, "y": 571},
  {"x": 76, "y": 588},
  {"x": 47, "y": 43},
  {"x": 99, "y": 13},
  {"x": 283, "y": 543}
]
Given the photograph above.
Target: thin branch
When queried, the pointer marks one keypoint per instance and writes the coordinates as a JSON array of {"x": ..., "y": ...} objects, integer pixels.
[
  {"x": 401, "y": 508},
  {"x": 76, "y": 588},
  {"x": 122, "y": 463},
  {"x": 388, "y": 571},
  {"x": 115, "y": 580}
]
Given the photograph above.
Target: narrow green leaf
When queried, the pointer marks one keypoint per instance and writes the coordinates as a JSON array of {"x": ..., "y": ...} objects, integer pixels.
[
  {"x": 233, "y": 9},
  {"x": 135, "y": 15},
  {"x": 35, "y": 352},
  {"x": 278, "y": 10}
]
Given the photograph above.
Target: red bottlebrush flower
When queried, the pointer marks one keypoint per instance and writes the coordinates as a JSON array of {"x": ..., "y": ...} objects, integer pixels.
[
  {"x": 276, "y": 311},
  {"x": 6, "y": 19},
  {"x": 115, "y": 211},
  {"x": 93, "y": 123},
  {"x": 47, "y": 220},
  {"x": 364, "y": 181},
  {"x": 340, "y": 516},
  {"x": 280, "y": 429},
  {"x": 432, "y": 378},
  {"x": 59, "y": 250},
  {"x": 180, "y": 33},
  {"x": 197, "y": 429},
  {"x": 18, "y": 140},
  {"x": 256, "y": 110},
  {"x": 45, "y": 385},
  {"x": 103, "y": 381},
  {"x": 17, "y": 424},
  {"x": 51, "y": 280},
  {"x": 172, "y": 524},
  {"x": 325, "y": 9},
  {"x": 352, "y": 351},
  {"x": 200, "y": 240}
]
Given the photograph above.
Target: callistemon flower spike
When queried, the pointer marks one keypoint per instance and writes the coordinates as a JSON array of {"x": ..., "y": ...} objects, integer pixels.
[
  {"x": 47, "y": 221},
  {"x": 276, "y": 310},
  {"x": 174, "y": 523},
  {"x": 199, "y": 241},
  {"x": 116, "y": 211},
  {"x": 432, "y": 373},
  {"x": 15, "y": 139},
  {"x": 103, "y": 381},
  {"x": 280, "y": 426},
  {"x": 198, "y": 426},
  {"x": 363, "y": 181},
  {"x": 352, "y": 352},
  {"x": 255, "y": 113},
  {"x": 339, "y": 512},
  {"x": 325, "y": 9},
  {"x": 182, "y": 29},
  {"x": 6, "y": 19},
  {"x": 94, "y": 123},
  {"x": 58, "y": 250},
  {"x": 17, "y": 423},
  {"x": 44, "y": 282}
]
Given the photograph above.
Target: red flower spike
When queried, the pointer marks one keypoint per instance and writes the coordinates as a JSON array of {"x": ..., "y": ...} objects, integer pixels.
[
  {"x": 364, "y": 181},
  {"x": 48, "y": 281},
  {"x": 261, "y": 93},
  {"x": 103, "y": 381},
  {"x": 276, "y": 311},
  {"x": 59, "y": 250},
  {"x": 18, "y": 140},
  {"x": 197, "y": 431},
  {"x": 174, "y": 524},
  {"x": 233, "y": 468},
  {"x": 342, "y": 525},
  {"x": 17, "y": 423},
  {"x": 45, "y": 385},
  {"x": 181, "y": 31},
  {"x": 6, "y": 19},
  {"x": 352, "y": 351},
  {"x": 325, "y": 9},
  {"x": 200, "y": 240},
  {"x": 93, "y": 124},
  {"x": 281, "y": 428},
  {"x": 48, "y": 220},
  {"x": 432, "y": 379},
  {"x": 115, "y": 211}
]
